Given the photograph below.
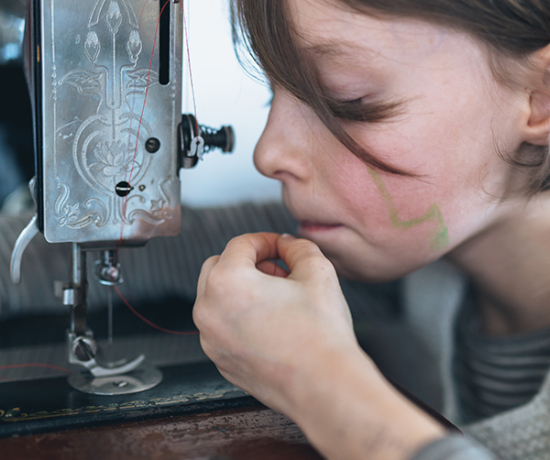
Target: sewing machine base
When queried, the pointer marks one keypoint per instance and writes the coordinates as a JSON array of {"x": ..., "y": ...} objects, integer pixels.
[{"x": 49, "y": 405}]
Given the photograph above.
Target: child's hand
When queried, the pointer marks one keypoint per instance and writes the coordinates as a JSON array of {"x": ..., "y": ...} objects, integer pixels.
[
  {"x": 263, "y": 326},
  {"x": 287, "y": 339}
]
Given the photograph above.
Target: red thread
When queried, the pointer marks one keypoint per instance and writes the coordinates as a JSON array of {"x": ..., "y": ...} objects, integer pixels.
[
  {"x": 125, "y": 205},
  {"x": 23, "y": 366},
  {"x": 188, "y": 49},
  {"x": 150, "y": 323}
]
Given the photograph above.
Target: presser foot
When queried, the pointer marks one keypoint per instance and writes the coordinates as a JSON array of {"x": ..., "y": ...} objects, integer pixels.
[{"x": 111, "y": 378}]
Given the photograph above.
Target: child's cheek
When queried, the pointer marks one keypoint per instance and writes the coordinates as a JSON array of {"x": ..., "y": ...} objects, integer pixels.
[{"x": 395, "y": 210}]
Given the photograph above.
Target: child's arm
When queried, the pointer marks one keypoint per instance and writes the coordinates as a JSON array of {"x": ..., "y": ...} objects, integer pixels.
[{"x": 288, "y": 340}]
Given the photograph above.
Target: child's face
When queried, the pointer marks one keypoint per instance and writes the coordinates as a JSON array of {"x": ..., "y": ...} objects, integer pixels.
[{"x": 377, "y": 226}]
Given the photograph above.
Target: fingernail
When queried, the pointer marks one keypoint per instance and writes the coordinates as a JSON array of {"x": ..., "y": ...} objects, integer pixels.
[{"x": 287, "y": 236}]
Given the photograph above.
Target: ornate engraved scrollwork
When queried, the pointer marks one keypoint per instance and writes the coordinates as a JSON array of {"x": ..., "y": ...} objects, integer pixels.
[
  {"x": 69, "y": 214},
  {"x": 159, "y": 211},
  {"x": 105, "y": 145}
]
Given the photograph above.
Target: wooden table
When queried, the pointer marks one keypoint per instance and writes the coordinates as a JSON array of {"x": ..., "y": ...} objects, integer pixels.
[{"x": 253, "y": 433}]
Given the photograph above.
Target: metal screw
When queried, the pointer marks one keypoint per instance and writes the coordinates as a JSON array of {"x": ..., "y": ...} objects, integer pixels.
[
  {"x": 121, "y": 384},
  {"x": 142, "y": 188},
  {"x": 152, "y": 145},
  {"x": 84, "y": 350},
  {"x": 110, "y": 273},
  {"x": 123, "y": 189}
]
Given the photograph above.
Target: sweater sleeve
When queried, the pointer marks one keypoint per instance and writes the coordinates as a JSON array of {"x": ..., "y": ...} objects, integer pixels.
[
  {"x": 522, "y": 433},
  {"x": 453, "y": 447},
  {"x": 163, "y": 267}
]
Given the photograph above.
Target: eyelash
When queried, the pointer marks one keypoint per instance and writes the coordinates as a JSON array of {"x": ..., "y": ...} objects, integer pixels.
[
  {"x": 357, "y": 110},
  {"x": 362, "y": 111}
]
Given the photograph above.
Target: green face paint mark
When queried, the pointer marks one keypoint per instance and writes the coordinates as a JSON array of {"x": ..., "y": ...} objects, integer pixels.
[{"x": 440, "y": 237}]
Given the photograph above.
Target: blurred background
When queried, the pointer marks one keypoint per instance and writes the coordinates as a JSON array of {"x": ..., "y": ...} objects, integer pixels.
[
  {"x": 16, "y": 144},
  {"x": 224, "y": 94}
]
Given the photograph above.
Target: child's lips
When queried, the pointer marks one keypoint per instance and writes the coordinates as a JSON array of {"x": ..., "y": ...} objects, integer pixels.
[{"x": 308, "y": 226}]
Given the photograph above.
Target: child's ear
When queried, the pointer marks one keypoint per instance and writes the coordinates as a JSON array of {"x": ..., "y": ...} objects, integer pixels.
[{"x": 537, "y": 127}]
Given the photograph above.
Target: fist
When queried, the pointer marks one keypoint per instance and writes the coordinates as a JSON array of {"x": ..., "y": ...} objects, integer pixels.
[{"x": 265, "y": 327}]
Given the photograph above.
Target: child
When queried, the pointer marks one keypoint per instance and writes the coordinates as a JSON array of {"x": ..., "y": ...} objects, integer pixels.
[{"x": 402, "y": 132}]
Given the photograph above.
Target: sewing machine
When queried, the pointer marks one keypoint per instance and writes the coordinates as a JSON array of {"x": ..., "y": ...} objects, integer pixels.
[
  {"x": 110, "y": 144},
  {"x": 110, "y": 141},
  {"x": 106, "y": 80}
]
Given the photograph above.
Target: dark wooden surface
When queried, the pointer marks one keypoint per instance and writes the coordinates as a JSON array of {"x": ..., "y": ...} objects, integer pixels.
[{"x": 253, "y": 433}]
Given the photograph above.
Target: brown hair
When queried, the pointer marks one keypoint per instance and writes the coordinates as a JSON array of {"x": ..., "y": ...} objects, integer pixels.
[{"x": 509, "y": 28}]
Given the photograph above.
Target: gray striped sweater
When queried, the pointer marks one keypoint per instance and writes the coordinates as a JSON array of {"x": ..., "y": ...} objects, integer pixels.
[{"x": 170, "y": 266}]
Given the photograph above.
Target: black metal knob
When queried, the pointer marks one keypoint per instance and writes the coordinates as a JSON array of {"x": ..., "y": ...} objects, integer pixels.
[
  {"x": 190, "y": 130},
  {"x": 223, "y": 139}
]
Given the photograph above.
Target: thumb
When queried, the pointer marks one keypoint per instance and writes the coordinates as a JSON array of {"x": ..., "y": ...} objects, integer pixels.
[{"x": 303, "y": 258}]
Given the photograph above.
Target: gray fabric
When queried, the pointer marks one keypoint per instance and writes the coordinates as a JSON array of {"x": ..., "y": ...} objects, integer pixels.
[
  {"x": 496, "y": 374},
  {"x": 402, "y": 356},
  {"x": 453, "y": 447},
  {"x": 164, "y": 267},
  {"x": 170, "y": 266},
  {"x": 520, "y": 434},
  {"x": 432, "y": 296}
]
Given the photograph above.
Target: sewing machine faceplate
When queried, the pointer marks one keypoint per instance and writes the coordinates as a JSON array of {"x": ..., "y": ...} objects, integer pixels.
[{"x": 103, "y": 152}]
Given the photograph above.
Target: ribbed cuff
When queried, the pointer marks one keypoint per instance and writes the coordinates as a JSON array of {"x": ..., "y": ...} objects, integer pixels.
[{"x": 453, "y": 447}]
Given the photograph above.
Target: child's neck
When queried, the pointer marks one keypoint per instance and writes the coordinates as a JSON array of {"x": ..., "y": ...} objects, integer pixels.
[{"x": 510, "y": 267}]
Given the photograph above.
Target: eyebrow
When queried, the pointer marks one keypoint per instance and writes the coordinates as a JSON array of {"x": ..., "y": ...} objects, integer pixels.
[
  {"x": 332, "y": 49},
  {"x": 343, "y": 51}
]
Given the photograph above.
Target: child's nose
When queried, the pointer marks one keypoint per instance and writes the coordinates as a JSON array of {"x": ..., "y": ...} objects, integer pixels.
[{"x": 283, "y": 151}]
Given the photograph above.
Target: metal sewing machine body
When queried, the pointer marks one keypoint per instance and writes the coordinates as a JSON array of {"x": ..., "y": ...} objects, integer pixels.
[
  {"x": 96, "y": 71},
  {"x": 110, "y": 142}
]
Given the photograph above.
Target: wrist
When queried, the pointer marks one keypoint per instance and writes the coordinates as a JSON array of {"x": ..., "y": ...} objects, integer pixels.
[{"x": 348, "y": 410}]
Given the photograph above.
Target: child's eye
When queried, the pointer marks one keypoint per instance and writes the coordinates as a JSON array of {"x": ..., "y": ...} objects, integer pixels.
[
  {"x": 363, "y": 110},
  {"x": 352, "y": 101}
]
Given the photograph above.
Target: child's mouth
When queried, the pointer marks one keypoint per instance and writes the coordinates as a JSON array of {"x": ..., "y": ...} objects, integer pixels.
[{"x": 306, "y": 226}]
